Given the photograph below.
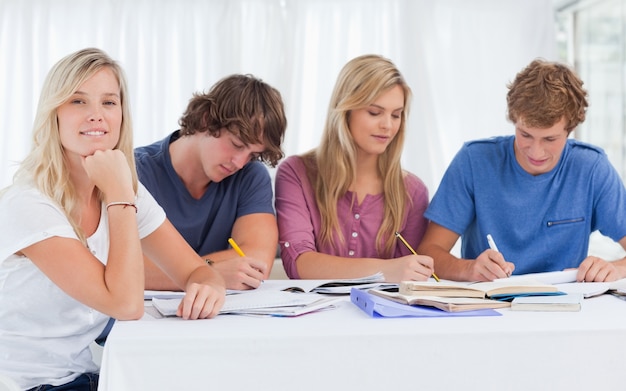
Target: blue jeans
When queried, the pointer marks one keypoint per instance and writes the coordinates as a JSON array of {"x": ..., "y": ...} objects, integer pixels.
[{"x": 84, "y": 382}]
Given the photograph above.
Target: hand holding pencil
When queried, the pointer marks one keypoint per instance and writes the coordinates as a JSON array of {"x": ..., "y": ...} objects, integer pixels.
[
  {"x": 235, "y": 247},
  {"x": 241, "y": 272},
  {"x": 399, "y": 236}
]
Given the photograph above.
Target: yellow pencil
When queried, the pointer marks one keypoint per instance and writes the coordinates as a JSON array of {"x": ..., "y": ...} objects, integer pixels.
[
  {"x": 413, "y": 251},
  {"x": 236, "y": 247}
]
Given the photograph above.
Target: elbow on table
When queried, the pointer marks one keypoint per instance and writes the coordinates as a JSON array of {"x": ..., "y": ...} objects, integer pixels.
[{"x": 129, "y": 311}]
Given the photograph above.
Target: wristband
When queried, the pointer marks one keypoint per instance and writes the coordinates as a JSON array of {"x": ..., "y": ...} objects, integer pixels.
[{"x": 122, "y": 203}]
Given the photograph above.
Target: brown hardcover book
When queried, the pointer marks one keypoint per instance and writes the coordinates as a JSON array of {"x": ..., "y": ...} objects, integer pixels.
[{"x": 448, "y": 304}]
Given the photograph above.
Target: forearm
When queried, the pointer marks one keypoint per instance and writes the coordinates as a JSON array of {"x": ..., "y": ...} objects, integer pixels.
[
  {"x": 205, "y": 275},
  {"x": 257, "y": 254},
  {"x": 447, "y": 266},
  {"x": 257, "y": 236},
  {"x": 315, "y": 265},
  {"x": 156, "y": 279},
  {"x": 124, "y": 272}
]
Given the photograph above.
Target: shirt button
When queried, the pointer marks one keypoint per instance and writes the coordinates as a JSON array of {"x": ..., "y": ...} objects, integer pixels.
[
  {"x": 350, "y": 253},
  {"x": 355, "y": 234},
  {"x": 286, "y": 244},
  {"x": 357, "y": 216}
]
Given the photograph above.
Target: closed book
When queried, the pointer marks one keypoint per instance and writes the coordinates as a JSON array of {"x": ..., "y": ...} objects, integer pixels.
[{"x": 570, "y": 302}]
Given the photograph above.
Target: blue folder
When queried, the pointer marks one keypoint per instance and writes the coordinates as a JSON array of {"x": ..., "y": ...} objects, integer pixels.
[{"x": 379, "y": 307}]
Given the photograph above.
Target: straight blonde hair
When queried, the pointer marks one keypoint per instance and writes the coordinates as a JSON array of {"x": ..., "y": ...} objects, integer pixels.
[
  {"x": 45, "y": 165},
  {"x": 331, "y": 167}
]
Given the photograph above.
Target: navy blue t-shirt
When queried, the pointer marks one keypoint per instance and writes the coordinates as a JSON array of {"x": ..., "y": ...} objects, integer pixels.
[{"x": 205, "y": 223}]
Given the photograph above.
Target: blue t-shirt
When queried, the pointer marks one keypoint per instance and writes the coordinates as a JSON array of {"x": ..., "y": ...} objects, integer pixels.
[
  {"x": 540, "y": 223},
  {"x": 205, "y": 223}
]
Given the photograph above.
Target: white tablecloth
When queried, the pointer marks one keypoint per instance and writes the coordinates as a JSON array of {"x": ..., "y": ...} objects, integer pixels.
[{"x": 345, "y": 349}]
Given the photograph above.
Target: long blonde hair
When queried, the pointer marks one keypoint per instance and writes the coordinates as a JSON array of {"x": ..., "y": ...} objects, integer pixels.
[
  {"x": 331, "y": 167},
  {"x": 45, "y": 165}
]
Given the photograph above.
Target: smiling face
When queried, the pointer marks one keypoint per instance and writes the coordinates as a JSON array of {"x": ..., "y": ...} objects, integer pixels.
[
  {"x": 91, "y": 118},
  {"x": 374, "y": 127},
  {"x": 538, "y": 150}
]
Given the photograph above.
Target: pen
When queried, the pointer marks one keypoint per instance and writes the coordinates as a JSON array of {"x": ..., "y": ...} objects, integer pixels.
[
  {"x": 236, "y": 247},
  {"x": 492, "y": 245},
  {"x": 411, "y": 250}
]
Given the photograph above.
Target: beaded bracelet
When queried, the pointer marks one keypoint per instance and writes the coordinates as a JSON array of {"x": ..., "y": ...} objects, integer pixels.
[{"x": 125, "y": 204}]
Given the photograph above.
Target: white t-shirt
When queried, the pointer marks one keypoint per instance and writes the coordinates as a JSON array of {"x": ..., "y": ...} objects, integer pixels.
[{"x": 44, "y": 333}]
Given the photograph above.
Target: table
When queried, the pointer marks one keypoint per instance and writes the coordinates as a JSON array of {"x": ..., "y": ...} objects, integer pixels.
[{"x": 345, "y": 349}]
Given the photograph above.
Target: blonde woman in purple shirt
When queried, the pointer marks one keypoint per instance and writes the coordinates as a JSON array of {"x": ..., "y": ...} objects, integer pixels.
[{"x": 339, "y": 205}]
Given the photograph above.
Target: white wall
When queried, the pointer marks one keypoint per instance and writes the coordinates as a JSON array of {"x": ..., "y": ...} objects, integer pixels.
[{"x": 457, "y": 55}]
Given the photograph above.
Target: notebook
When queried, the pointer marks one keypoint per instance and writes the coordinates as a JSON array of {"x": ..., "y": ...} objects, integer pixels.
[{"x": 276, "y": 303}]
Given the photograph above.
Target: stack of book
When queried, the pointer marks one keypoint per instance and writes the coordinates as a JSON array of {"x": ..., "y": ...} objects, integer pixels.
[{"x": 453, "y": 296}]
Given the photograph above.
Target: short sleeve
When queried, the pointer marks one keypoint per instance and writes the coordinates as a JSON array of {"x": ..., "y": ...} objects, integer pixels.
[
  {"x": 28, "y": 217},
  {"x": 256, "y": 194},
  {"x": 150, "y": 215},
  {"x": 452, "y": 205}
]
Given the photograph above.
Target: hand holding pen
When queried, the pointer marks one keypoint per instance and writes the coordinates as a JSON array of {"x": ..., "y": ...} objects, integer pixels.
[
  {"x": 412, "y": 251},
  {"x": 494, "y": 263}
]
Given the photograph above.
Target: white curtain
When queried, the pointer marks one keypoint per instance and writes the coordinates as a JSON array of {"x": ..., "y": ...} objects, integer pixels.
[{"x": 457, "y": 55}]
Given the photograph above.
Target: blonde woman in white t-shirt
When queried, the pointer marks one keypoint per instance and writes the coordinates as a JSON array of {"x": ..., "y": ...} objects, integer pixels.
[{"x": 73, "y": 229}]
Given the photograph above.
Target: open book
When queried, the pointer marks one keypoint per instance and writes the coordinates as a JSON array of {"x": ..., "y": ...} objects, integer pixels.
[
  {"x": 503, "y": 289},
  {"x": 379, "y": 307},
  {"x": 565, "y": 281},
  {"x": 342, "y": 286},
  {"x": 557, "y": 277},
  {"x": 591, "y": 289},
  {"x": 448, "y": 304},
  {"x": 260, "y": 303}
]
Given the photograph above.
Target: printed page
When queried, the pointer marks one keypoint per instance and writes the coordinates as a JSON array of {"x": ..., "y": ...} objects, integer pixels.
[{"x": 240, "y": 303}]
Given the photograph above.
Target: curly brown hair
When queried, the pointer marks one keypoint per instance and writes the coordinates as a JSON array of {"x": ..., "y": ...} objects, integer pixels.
[
  {"x": 545, "y": 92},
  {"x": 243, "y": 105}
]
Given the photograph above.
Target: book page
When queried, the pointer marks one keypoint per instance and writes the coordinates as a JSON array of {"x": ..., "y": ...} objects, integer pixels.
[
  {"x": 246, "y": 301},
  {"x": 513, "y": 285},
  {"x": 443, "y": 288},
  {"x": 506, "y": 287},
  {"x": 591, "y": 289},
  {"x": 558, "y": 277},
  {"x": 451, "y": 304},
  {"x": 343, "y": 286}
]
